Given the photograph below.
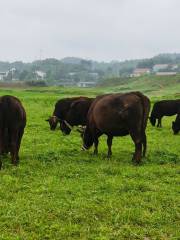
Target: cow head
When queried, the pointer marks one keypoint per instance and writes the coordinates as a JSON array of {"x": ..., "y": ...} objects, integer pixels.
[
  {"x": 65, "y": 127},
  {"x": 152, "y": 120},
  {"x": 175, "y": 127},
  {"x": 87, "y": 139},
  {"x": 53, "y": 121}
]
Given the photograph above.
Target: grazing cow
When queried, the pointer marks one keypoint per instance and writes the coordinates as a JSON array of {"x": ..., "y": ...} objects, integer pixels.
[
  {"x": 118, "y": 115},
  {"x": 12, "y": 124},
  {"x": 176, "y": 124},
  {"x": 77, "y": 115},
  {"x": 164, "y": 108},
  {"x": 70, "y": 112}
]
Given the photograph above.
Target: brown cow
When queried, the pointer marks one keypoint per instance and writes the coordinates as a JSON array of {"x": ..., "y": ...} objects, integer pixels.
[
  {"x": 70, "y": 112},
  {"x": 118, "y": 115},
  {"x": 12, "y": 124}
]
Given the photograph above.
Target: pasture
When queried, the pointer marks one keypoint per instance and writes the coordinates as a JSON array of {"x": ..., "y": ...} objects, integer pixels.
[{"x": 60, "y": 192}]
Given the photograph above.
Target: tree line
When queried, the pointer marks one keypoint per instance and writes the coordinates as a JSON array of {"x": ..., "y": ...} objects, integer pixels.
[{"x": 76, "y": 69}]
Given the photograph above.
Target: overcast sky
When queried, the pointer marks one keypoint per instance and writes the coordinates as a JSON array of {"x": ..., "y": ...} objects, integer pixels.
[{"x": 103, "y": 30}]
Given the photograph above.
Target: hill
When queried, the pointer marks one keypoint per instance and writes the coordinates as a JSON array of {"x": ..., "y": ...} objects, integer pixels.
[{"x": 150, "y": 84}]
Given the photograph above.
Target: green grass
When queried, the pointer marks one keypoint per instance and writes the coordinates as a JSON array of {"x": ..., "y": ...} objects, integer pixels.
[
  {"x": 59, "y": 192},
  {"x": 149, "y": 84}
]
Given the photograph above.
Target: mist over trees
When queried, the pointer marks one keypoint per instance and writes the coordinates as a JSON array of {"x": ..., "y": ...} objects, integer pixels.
[{"x": 72, "y": 69}]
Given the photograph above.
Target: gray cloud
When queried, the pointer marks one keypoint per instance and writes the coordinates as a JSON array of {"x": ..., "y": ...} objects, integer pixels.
[{"x": 96, "y": 29}]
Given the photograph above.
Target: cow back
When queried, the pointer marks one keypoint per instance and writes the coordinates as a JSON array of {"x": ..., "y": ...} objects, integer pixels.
[{"x": 114, "y": 113}]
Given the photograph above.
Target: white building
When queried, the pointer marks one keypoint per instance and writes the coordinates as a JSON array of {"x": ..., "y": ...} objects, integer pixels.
[
  {"x": 140, "y": 71},
  {"x": 3, "y": 75},
  {"x": 166, "y": 73},
  {"x": 86, "y": 84},
  {"x": 12, "y": 71},
  {"x": 40, "y": 75}
]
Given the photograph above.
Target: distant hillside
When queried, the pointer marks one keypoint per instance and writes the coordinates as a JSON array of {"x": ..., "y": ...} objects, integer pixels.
[
  {"x": 72, "y": 70},
  {"x": 152, "y": 85}
]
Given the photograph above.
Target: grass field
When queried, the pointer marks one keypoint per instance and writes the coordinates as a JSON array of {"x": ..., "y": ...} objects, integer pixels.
[
  {"x": 59, "y": 192},
  {"x": 149, "y": 84}
]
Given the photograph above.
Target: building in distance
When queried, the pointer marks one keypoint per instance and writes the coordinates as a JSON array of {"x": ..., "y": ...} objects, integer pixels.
[
  {"x": 166, "y": 73},
  {"x": 86, "y": 84},
  {"x": 140, "y": 71},
  {"x": 40, "y": 75}
]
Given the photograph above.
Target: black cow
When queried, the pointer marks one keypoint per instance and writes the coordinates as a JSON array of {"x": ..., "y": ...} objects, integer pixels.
[
  {"x": 118, "y": 115},
  {"x": 77, "y": 114},
  {"x": 12, "y": 124},
  {"x": 70, "y": 112},
  {"x": 164, "y": 108},
  {"x": 176, "y": 124}
]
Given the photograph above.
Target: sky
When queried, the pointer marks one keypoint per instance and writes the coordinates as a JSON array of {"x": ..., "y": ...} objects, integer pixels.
[{"x": 102, "y": 30}]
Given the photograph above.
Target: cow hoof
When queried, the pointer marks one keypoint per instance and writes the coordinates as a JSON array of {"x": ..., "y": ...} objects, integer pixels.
[{"x": 135, "y": 161}]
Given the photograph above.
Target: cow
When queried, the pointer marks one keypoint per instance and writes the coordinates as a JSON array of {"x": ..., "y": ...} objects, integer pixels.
[
  {"x": 164, "y": 108},
  {"x": 12, "y": 124},
  {"x": 118, "y": 115},
  {"x": 70, "y": 112},
  {"x": 176, "y": 124},
  {"x": 77, "y": 115}
]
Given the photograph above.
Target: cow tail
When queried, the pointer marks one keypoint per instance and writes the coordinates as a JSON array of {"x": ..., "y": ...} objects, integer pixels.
[{"x": 146, "y": 109}]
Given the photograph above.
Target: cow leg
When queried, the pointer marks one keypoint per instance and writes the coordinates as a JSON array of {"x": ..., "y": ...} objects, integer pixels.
[
  {"x": 21, "y": 132},
  {"x": 137, "y": 139},
  {"x": 14, "y": 147},
  {"x": 159, "y": 122},
  {"x": 1, "y": 147},
  {"x": 96, "y": 142},
  {"x": 109, "y": 143},
  {"x": 5, "y": 141},
  {"x": 138, "y": 152},
  {"x": 144, "y": 144},
  {"x": 96, "y": 135}
]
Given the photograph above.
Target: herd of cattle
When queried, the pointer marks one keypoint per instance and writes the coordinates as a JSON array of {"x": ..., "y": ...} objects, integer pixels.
[{"x": 111, "y": 114}]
